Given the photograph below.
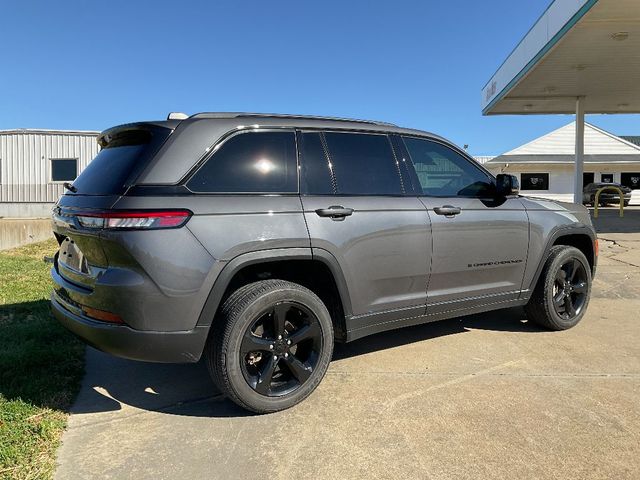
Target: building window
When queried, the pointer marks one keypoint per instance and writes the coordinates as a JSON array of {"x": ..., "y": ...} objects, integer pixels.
[
  {"x": 534, "y": 181},
  {"x": 64, "y": 169},
  {"x": 588, "y": 178},
  {"x": 606, "y": 178},
  {"x": 631, "y": 180}
]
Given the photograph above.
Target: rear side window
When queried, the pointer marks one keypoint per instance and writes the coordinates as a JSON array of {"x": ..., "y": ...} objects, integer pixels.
[
  {"x": 252, "y": 162},
  {"x": 443, "y": 172},
  {"x": 124, "y": 154},
  {"x": 363, "y": 164}
]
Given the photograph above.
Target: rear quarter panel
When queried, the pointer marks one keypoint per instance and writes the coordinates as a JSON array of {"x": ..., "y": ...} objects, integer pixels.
[{"x": 225, "y": 226}]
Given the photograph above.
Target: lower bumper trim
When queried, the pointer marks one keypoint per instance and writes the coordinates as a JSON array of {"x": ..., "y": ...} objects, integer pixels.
[{"x": 123, "y": 341}]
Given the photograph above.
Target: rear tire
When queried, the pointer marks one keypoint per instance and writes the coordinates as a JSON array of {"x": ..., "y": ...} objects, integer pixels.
[
  {"x": 270, "y": 346},
  {"x": 561, "y": 296}
]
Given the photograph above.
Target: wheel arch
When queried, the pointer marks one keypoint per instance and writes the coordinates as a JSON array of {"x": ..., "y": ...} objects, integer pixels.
[
  {"x": 317, "y": 270},
  {"x": 582, "y": 237}
]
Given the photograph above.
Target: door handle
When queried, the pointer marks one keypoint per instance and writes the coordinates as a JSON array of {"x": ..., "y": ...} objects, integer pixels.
[
  {"x": 334, "y": 211},
  {"x": 447, "y": 210}
]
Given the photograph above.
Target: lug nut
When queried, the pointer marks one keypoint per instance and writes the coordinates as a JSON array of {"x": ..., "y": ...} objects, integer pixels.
[
  {"x": 279, "y": 337},
  {"x": 275, "y": 357},
  {"x": 271, "y": 347},
  {"x": 286, "y": 355},
  {"x": 288, "y": 342}
]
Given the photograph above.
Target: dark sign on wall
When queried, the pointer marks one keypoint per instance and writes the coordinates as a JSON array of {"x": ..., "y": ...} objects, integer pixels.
[
  {"x": 534, "y": 181},
  {"x": 631, "y": 180},
  {"x": 606, "y": 178}
]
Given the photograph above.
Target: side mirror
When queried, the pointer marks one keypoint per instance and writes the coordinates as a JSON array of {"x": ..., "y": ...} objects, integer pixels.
[{"x": 507, "y": 185}]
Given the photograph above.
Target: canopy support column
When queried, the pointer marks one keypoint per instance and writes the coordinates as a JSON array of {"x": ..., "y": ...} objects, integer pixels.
[{"x": 579, "y": 167}]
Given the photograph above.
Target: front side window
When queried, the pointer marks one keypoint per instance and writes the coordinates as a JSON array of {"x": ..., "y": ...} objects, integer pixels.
[
  {"x": 64, "y": 169},
  {"x": 534, "y": 181},
  {"x": 363, "y": 164},
  {"x": 253, "y": 162},
  {"x": 443, "y": 172}
]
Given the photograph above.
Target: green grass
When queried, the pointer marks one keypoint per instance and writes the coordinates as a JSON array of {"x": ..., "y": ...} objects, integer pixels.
[{"x": 41, "y": 366}]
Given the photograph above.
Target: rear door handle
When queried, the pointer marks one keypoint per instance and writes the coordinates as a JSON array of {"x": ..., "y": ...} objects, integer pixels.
[
  {"x": 447, "y": 210},
  {"x": 334, "y": 211}
]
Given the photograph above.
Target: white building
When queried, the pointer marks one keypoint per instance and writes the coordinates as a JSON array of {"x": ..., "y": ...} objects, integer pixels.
[
  {"x": 545, "y": 166},
  {"x": 34, "y": 164}
]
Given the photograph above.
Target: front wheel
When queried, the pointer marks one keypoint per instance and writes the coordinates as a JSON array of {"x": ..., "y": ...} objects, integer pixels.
[
  {"x": 271, "y": 345},
  {"x": 560, "y": 299}
]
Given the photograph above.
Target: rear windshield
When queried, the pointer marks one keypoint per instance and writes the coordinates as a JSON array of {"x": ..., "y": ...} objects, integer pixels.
[{"x": 123, "y": 156}]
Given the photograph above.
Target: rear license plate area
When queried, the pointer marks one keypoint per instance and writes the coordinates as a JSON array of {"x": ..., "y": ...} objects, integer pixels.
[{"x": 71, "y": 256}]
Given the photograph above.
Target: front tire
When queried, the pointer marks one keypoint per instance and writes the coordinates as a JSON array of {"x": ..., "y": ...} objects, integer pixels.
[
  {"x": 271, "y": 345},
  {"x": 561, "y": 297}
]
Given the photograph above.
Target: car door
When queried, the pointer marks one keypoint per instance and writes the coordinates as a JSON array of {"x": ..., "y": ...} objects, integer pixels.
[
  {"x": 357, "y": 208},
  {"x": 480, "y": 242}
]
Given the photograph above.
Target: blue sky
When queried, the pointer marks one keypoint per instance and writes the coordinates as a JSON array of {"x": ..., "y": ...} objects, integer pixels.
[{"x": 90, "y": 65}]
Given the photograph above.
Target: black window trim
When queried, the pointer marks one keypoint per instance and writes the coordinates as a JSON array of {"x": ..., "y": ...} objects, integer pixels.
[
  {"x": 451, "y": 146},
  {"x": 211, "y": 151},
  {"x": 400, "y": 151},
  {"x": 60, "y": 182},
  {"x": 322, "y": 131}
]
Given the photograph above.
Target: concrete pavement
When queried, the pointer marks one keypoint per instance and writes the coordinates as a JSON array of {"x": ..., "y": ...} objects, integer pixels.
[{"x": 485, "y": 396}]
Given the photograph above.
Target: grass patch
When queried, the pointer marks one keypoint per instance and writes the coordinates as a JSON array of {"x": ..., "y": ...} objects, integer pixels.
[{"x": 41, "y": 365}]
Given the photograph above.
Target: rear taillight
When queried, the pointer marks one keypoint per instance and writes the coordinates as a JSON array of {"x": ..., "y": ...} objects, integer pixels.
[{"x": 138, "y": 220}]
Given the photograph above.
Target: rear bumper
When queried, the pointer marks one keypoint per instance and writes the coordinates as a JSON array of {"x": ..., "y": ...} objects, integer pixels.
[{"x": 123, "y": 341}]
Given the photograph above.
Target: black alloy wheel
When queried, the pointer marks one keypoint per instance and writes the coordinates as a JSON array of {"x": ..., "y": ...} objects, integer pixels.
[
  {"x": 561, "y": 296},
  {"x": 570, "y": 289},
  {"x": 280, "y": 349},
  {"x": 270, "y": 345}
]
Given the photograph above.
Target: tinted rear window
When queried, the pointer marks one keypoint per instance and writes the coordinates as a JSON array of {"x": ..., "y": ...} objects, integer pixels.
[
  {"x": 363, "y": 164},
  {"x": 124, "y": 156},
  {"x": 253, "y": 162}
]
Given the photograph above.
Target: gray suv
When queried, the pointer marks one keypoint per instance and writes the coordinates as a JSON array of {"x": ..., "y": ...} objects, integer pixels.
[{"x": 260, "y": 240}]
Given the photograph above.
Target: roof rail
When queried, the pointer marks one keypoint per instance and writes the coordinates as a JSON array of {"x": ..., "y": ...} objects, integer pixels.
[{"x": 282, "y": 115}]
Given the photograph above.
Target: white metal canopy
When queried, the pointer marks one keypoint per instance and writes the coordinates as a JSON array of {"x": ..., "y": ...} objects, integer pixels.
[
  {"x": 581, "y": 56},
  {"x": 587, "y": 48}
]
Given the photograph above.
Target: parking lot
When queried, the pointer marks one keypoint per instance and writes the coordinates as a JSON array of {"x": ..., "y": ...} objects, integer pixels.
[{"x": 485, "y": 396}]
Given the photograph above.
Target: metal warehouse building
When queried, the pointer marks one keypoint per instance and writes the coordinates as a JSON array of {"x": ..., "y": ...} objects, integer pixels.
[{"x": 34, "y": 164}]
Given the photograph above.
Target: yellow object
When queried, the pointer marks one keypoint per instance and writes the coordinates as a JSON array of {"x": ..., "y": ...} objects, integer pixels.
[{"x": 596, "y": 202}]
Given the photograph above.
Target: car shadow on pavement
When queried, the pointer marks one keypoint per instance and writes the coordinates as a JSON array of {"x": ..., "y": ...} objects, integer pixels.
[
  {"x": 507, "y": 320},
  {"x": 114, "y": 384}
]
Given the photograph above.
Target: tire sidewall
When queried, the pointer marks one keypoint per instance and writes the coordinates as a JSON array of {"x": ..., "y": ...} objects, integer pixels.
[
  {"x": 563, "y": 256},
  {"x": 231, "y": 357}
]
